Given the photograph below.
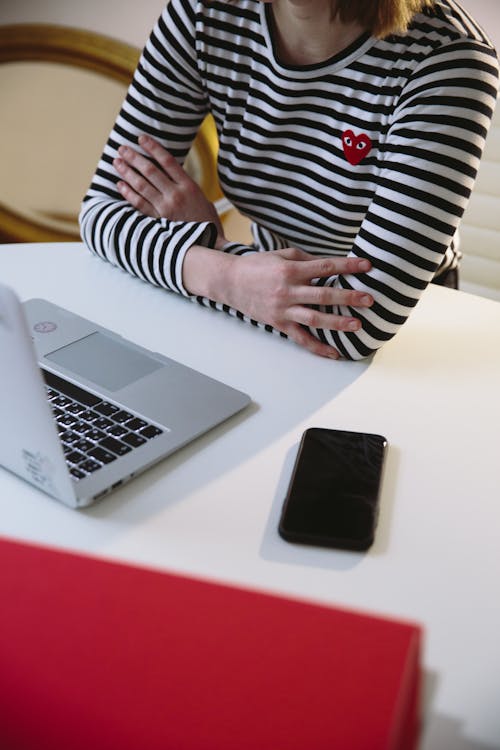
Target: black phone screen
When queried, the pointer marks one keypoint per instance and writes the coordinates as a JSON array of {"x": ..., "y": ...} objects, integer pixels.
[{"x": 332, "y": 500}]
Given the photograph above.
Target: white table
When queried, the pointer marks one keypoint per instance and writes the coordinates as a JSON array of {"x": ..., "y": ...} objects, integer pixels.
[{"x": 212, "y": 508}]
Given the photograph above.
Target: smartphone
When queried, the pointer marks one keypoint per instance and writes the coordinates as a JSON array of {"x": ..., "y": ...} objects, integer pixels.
[{"x": 333, "y": 496}]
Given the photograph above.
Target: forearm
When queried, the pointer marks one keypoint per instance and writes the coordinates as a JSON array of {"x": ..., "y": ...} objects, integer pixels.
[
  {"x": 149, "y": 247},
  {"x": 152, "y": 249}
]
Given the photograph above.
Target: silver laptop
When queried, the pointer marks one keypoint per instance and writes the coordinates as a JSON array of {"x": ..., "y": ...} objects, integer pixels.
[{"x": 83, "y": 410}]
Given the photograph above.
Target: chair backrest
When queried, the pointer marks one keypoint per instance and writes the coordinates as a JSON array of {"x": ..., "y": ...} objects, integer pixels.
[
  {"x": 480, "y": 230},
  {"x": 61, "y": 91}
]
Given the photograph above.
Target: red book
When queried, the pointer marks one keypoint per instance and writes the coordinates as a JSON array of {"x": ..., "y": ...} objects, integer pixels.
[{"x": 96, "y": 655}]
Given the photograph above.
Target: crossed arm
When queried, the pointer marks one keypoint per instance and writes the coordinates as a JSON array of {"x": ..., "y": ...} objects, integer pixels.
[
  {"x": 275, "y": 288},
  {"x": 158, "y": 226}
]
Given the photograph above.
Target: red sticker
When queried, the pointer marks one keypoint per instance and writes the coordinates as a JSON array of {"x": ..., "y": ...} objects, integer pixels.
[{"x": 356, "y": 147}]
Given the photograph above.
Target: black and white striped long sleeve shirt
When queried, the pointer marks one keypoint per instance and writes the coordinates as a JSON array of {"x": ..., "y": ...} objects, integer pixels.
[{"x": 373, "y": 153}]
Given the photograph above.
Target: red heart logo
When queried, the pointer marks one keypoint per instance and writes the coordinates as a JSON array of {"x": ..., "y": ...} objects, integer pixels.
[{"x": 356, "y": 147}]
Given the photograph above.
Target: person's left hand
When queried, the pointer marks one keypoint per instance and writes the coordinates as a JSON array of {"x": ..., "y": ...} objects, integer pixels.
[{"x": 161, "y": 188}]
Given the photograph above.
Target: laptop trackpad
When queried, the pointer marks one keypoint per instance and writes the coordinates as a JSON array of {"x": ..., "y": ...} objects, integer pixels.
[{"x": 103, "y": 360}]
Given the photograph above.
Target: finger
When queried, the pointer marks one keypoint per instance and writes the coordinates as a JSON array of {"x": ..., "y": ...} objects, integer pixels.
[
  {"x": 315, "y": 319},
  {"x": 327, "y": 296},
  {"x": 307, "y": 341},
  {"x": 140, "y": 184},
  {"x": 164, "y": 158},
  {"x": 136, "y": 200},
  {"x": 294, "y": 253},
  {"x": 324, "y": 267},
  {"x": 130, "y": 163}
]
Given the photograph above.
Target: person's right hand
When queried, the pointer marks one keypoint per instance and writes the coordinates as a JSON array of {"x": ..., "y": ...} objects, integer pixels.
[
  {"x": 160, "y": 187},
  {"x": 276, "y": 288}
]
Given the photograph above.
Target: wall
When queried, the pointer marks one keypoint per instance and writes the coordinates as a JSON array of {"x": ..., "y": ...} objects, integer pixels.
[
  {"x": 487, "y": 13},
  {"x": 131, "y": 20},
  {"x": 128, "y": 20}
]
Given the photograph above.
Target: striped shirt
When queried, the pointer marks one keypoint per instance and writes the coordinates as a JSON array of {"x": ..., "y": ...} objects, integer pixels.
[{"x": 372, "y": 153}]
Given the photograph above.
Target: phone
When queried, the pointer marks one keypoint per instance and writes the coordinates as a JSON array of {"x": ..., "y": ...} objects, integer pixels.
[{"x": 333, "y": 496}]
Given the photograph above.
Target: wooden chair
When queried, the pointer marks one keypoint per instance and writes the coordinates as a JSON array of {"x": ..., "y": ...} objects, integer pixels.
[{"x": 61, "y": 91}]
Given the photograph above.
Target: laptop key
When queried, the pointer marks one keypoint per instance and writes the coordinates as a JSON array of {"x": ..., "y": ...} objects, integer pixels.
[
  {"x": 81, "y": 427},
  {"x": 67, "y": 420},
  {"x": 93, "y": 434},
  {"x": 102, "y": 423},
  {"x": 75, "y": 408},
  {"x": 69, "y": 389},
  {"x": 89, "y": 415},
  {"x": 122, "y": 416},
  {"x": 75, "y": 457},
  {"x": 117, "y": 430},
  {"x": 105, "y": 457},
  {"x": 150, "y": 431},
  {"x": 135, "y": 424},
  {"x": 134, "y": 440},
  {"x": 116, "y": 446},
  {"x": 61, "y": 400},
  {"x": 83, "y": 445},
  {"x": 77, "y": 473},
  {"x": 70, "y": 436},
  {"x": 89, "y": 466},
  {"x": 107, "y": 409}
]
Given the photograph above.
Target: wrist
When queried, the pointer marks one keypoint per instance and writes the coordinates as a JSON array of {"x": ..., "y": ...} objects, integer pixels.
[
  {"x": 221, "y": 241},
  {"x": 207, "y": 272}
]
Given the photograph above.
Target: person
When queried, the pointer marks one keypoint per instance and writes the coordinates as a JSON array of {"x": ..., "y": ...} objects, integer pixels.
[{"x": 350, "y": 132}]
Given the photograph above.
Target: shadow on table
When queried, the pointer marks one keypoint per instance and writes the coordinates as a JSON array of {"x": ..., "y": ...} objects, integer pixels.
[
  {"x": 276, "y": 549},
  {"x": 447, "y": 733},
  {"x": 287, "y": 404},
  {"x": 441, "y": 732}
]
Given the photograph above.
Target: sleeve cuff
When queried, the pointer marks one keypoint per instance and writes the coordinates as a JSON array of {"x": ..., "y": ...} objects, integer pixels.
[
  {"x": 205, "y": 234},
  {"x": 236, "y": 248}
]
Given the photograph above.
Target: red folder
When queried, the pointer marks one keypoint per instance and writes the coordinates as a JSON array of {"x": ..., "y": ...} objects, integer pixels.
[{"x": 96, "y": 655}]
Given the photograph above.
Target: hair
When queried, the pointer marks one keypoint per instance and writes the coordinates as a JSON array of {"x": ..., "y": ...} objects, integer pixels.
[{"x": 382, "y": 17}]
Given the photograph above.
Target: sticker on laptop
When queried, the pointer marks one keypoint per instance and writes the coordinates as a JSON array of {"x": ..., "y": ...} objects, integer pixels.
[{"x": 45, "y": 326}]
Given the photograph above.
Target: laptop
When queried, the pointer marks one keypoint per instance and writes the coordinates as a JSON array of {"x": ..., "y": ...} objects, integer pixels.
[{"x": 84, "y": 410}]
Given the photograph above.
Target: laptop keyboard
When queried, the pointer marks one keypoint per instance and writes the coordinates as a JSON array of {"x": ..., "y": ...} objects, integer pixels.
[{"x": 93, "y": 432}]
